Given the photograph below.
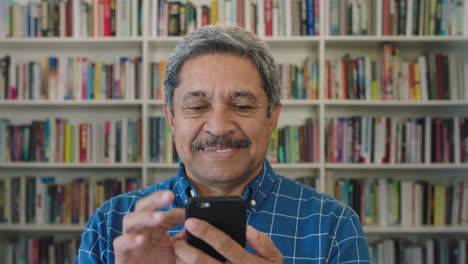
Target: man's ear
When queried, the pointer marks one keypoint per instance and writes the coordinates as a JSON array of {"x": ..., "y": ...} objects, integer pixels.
[
  {"x": 274, "y": 116},
  {"x": 169, "y": 117}
]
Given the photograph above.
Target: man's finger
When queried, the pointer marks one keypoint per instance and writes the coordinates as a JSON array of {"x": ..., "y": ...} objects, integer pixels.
[
  {"x": 155, "y": 201},
  {"x": 263, "y": 245},
  {"x": 124, "y": 244},
  {"x": 219, "y": 240},
  {"x": 137, "y": 221},
  {"x": 188, "y": 254}
]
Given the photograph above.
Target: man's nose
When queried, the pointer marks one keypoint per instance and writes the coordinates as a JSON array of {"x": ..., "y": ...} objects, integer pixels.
[{"x": 219, "y": 121}]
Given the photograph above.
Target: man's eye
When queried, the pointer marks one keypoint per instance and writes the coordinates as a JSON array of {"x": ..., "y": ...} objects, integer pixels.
[{"x": 242, "y": 107}]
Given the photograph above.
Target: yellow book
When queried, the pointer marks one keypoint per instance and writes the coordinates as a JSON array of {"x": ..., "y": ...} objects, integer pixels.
[
  {"x": 162, "y": 73},
  {"x": 98, "y": 80},
  {"x": 417, "y": 82},
  {"x": 442, "y": 210},
  {"x": 68, "y": 203},
  {"x": 67, "y": 140},
  {"x": 375, "y": 88},
  {"x": 214, "y": 12},
  {"x": 123, "y": 80},
  {"x": 436, "y": 205}
]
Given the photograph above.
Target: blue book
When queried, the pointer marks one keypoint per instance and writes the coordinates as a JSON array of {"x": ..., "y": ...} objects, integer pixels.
[
  {"x": 47, "y": 140},
  {"x": 90, "y": 88},
  {"x": 104, "y": 82},
  {"x": 234, "y": 12},
  {"x": 346, "y": 191},
  {"x": 310, "y": 17},
  {"x": 334, "y": 18},
  {"x": 299, "y": 91},
  {"x": 443, "y": 18}
]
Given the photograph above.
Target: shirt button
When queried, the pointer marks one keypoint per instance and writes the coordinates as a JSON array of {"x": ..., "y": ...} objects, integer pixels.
[
  {"x": 253, "y": 202},
  {"x": 192, "y": 193}
]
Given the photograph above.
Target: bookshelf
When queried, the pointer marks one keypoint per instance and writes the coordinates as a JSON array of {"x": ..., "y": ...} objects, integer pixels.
[{"x": 286, "y": 49}]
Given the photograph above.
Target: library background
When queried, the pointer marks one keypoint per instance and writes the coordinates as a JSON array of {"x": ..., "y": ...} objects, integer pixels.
[{"x": 375, "y": 113}]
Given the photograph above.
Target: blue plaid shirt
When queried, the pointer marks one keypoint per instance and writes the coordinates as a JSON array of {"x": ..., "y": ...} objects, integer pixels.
[{"x": 306, "y": 226}]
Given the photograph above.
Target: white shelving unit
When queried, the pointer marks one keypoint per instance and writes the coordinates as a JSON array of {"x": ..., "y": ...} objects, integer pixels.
[{"x": 285, "y": 50}]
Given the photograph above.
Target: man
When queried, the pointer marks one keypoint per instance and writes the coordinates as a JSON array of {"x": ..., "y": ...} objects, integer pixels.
[{"x": 222, "y": 103}]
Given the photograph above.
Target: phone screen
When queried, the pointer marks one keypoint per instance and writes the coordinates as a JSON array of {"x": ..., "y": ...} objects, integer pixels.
[{"x": 226, "y": 213}]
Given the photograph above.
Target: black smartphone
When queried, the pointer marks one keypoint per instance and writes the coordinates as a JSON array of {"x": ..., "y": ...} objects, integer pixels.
[{"x": 226, "y": 213}]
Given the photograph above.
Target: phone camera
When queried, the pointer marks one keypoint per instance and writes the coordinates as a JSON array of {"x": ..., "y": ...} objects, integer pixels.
[{"x": 205, "y": 205}]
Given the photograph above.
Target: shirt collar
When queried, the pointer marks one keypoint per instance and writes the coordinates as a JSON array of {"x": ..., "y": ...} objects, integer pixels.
[{"x": 254, "y": 193}]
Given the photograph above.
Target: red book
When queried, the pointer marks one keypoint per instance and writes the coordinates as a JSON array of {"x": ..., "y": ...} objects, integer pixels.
[
  {"x": 315, "y": 144},
  {"x": 35, "y": 251},
  {"x": 446, "y": 146},
  {"x": 328, "y": 79},
  {"x": 268, "y": 17},
  {"x": 84, "y": 78},
  {"x": 331, "y": 148},
  {"x": 107, "y": 18},
  {"x": 386, "y": 17},
  {"x": 317, "y": 17},
  {"x": 388, "y": 146},
  {"x": 438, "y": 143},
  {"x": 412, "y": 82},
  {"x": 83, "y": 142},
  {"x": 440, "y": 76},
  {"x": 69, "y": 18},
  {"x": 344, "y": 79},
  {"x": 205, "y": 15},
  {"x": 240, "y": 13}
]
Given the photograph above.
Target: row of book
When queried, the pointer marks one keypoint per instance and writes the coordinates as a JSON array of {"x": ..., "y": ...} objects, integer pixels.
[
  {"x": 295, "y": 144},
  {"x": 63, "y": 141},
  {"x": 298, "y": 81},
  {"x": 429, "y": 251},
  {"x": 70, "y": 78},
  {"x": 38, "y": 250},
  {"x": 55, "y": 200},
  {"x": 311, "y": 181},
  {"x": 423, "y": 17},
  {"x": 431, "y": 76},
  {"x": 263, "y": 17},
  {"x": 377, "y": 140},
  {"x": 384, "y": 202},
  {"x": 71, "y": 18},
  {"x": 352, "y": 17},
  {"x": 161, "y": 148}
]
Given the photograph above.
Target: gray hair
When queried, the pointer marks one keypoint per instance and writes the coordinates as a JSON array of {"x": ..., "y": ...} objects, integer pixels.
[{"x": 221, "y": 39}]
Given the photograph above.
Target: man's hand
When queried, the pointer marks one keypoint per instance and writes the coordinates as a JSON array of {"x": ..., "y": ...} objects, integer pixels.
[
  {"x": 145, "y": 238},
  {"x": 226, "y": 246}
]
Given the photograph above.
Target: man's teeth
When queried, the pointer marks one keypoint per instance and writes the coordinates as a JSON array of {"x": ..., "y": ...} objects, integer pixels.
[{"x": 220, "y": 150}]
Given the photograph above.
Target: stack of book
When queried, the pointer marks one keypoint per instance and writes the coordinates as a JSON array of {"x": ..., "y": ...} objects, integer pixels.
[
  {"x": 263, "y": 17},
  {"x": 52, "y": 200},
  {"x": 71, "y": 18},
  {"x": 384, "y": 202},
  {"x": 68, "y": 78},
  {"x": 430, "y": 76},
  {"x": 162, "y": 149},
  {"x": 422, "y": 17},
  {"x": 352, "y": 17},
  {"x": 431, "y": 251},
  {"x": 157, "y": 73},
  {"x": 299, "y": 81},
  {"x": 38, "y": 250},
  {"x": 63, "y": 141},
  {"x": 295, "y": 144}
]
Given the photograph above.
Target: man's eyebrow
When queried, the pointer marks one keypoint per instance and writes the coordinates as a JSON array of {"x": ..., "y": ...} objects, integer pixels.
[
  {"x": 192, "y": 94},
  {"x": 244, "y": 94}
]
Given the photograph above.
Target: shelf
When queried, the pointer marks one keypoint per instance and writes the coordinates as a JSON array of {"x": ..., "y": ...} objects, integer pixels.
[
  {"x": 31, "y": 165},
  {"x": 394, "y": 166},
  {"x": 71, "y": 103},
  {"x": 70, "y": 40},
  {"x": 40, "y": 228},
  {"x": 416, "y": 230},
  {"x": 396, "y": 103}
]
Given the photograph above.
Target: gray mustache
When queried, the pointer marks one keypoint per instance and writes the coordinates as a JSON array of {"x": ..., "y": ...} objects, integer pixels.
[{"x": 223, "y": 140}]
